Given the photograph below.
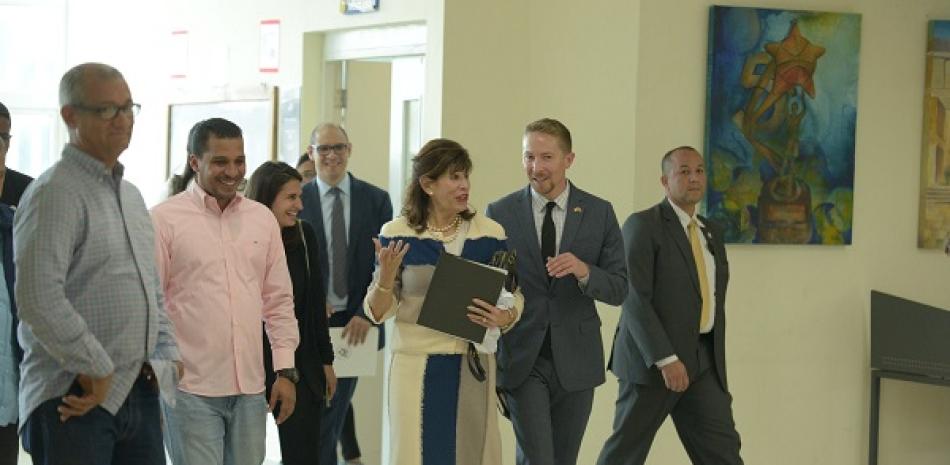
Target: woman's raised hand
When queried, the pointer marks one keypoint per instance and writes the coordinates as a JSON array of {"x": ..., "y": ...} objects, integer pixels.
[{"x": 389, "y": 258}]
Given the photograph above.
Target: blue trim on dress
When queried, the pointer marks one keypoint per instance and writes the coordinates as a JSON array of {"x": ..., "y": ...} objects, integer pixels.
[
  {"x": 481, "y": 250},
  {"x": 440, "y": 398},
  {"x": 422, "y": 251},
  {"x": 425, "y": 251}
]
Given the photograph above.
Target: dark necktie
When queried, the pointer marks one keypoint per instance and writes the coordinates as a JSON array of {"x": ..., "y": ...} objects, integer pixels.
[
  {"x": 548, "y": 250},
  {"x": 338, "y": 243},
  {"x": 548, "y": 238}
]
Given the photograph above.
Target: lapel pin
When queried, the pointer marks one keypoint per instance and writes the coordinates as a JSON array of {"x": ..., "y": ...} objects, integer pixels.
[{"x": 578, "y": 209}]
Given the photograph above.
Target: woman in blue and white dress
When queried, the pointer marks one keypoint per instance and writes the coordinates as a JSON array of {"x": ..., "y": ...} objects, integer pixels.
[{"x": 442, "y": 402}]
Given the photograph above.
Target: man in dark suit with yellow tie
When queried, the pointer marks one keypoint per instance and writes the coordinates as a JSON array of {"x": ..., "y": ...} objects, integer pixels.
[{"x": 669, "y": 349}]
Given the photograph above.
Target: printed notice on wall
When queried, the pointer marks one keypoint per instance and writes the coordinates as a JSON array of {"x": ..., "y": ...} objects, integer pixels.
[
  {"x": 178, "y": 54},
  {"x": 270, "y": 46}
]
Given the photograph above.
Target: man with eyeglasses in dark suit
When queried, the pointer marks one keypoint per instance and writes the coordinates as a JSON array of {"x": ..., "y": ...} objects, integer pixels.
[{"x": 346, "y": 213}]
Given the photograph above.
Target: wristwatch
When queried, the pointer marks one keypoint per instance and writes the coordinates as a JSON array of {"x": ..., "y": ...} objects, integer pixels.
[{"x": 291, "y": 374}]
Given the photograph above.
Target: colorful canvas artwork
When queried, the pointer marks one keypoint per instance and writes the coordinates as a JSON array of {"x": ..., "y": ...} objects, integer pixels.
[
  {"x": 780, "y": 124},
  {"x": 934, "y": 227}
]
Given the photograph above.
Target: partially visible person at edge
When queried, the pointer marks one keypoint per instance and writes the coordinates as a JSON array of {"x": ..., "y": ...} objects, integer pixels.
[
  {"x": 277, "y": 186},
  {"x": 10, "y": 352},
  {"x": 442, "y": 400},
  {"x": 12, "y": 182}
]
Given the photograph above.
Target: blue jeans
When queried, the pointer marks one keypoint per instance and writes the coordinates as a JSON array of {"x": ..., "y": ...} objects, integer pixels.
[
  {"x": 333, "y": 416},
  {"x": 133, "y": 436},
  {"x": 226, "y": 430}
]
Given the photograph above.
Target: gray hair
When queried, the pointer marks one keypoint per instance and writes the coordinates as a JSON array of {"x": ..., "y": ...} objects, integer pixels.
[
  {"x": 322, "y": 126},
  {"x": 71, "y": 86}
]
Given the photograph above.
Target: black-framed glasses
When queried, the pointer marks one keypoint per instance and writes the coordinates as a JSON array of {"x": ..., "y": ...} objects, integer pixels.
[
  {"x": 325, "y": 149},
  {"x": 109, "y": 112}
]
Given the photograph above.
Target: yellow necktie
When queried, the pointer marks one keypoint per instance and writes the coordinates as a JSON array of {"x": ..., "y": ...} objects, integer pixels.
[{"x": 700, "y": 260}]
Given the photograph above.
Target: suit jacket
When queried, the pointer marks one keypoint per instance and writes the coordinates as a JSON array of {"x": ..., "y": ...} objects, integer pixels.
[
  {"x": 370, "y": 209},
  {"x": 592, "y": 234},
  {"x": 660, "y": 316},
  {"x": 14, "y": 183}
]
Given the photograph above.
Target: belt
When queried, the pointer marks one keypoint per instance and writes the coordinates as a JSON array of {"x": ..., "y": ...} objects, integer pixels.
[{"x": 147, "y": 375}]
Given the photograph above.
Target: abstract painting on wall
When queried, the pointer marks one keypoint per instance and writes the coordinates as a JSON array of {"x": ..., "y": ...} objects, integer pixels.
[
  {"x": 934, "y": 228},
  {"x": 781, "y": 107}
]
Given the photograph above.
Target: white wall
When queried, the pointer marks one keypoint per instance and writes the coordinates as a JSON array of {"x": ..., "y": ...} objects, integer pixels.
[
  {"x": 798, "y": 316},
  {"x": 629, "y": 79},
  {"x": 134, "y": 36}
]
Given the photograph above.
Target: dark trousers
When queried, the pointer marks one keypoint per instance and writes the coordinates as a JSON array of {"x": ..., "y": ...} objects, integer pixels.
[
  {"x": 300, "y": 434},
  {"x": 333, "y": 418},
  {"x": 549, "y": 422},
  {"x": 9, "y": 445},
  {"x": 702, "y": 415},
  {"x": 133, "y": 436},
  {"x": 348, "y": 442}
]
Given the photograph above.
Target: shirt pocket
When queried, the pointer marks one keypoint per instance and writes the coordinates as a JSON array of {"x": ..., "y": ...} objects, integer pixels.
[{"x": 250, "y": 257}]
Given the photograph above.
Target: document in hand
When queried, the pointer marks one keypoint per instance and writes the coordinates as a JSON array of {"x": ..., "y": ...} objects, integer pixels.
[
  {"x": 351, "y": 361},
  {"x": 455, "y": 282}
]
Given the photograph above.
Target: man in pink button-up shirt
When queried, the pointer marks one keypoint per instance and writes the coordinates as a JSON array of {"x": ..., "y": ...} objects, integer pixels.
[{"x": 223, "y": 269}]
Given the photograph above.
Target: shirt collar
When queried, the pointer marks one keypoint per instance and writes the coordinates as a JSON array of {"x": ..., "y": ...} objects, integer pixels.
[
  {"x": 684, "y": 217},
  {"x": 204, "y": 199},
  {"x": 540, "y": 202},
  {"x": 324, "y": 187},
  {"x": 92, "y": 165}
]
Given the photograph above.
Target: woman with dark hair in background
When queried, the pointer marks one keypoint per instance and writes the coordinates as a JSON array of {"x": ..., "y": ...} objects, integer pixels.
[
  {"x": 277, "y": 185},
  {"x": 442, "y": 404}
]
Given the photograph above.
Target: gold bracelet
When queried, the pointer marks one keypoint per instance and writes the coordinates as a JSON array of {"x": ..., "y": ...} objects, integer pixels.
[
  {"x": 387, "y": 290},
  {"x": 511, "y": 322}
]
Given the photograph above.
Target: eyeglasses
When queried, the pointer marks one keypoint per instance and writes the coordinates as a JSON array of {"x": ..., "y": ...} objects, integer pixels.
[
  {"x": 338, "y": 149},
  {"x": 6, "y": 136},
  {"x": 109, "y": 112}
]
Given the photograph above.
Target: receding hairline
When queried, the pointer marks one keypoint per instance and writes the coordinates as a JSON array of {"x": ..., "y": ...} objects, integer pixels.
[
  {"x": 666, "y": 164},
  {"x": 326, "y": 126},
  {"x": 72, "y": 86}
]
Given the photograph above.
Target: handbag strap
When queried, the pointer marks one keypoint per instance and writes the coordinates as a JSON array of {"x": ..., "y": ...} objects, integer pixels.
[{"x": 306, "y": 250}]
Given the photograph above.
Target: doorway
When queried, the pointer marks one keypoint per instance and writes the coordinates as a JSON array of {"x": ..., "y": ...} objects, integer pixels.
[{"x": 371, "y": 82}]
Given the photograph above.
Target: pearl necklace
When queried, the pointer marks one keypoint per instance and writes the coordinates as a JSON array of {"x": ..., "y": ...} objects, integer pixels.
[{"x": 439, "y": 233}]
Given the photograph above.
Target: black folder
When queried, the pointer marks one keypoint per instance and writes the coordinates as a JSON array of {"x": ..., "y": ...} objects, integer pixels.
[{"x": 455, "y": 282}]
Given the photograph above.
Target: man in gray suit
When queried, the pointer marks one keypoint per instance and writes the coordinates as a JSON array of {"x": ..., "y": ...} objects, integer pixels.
[
  {"x": 570, "y": 254},
  {"x": 669, "y": 349}
]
